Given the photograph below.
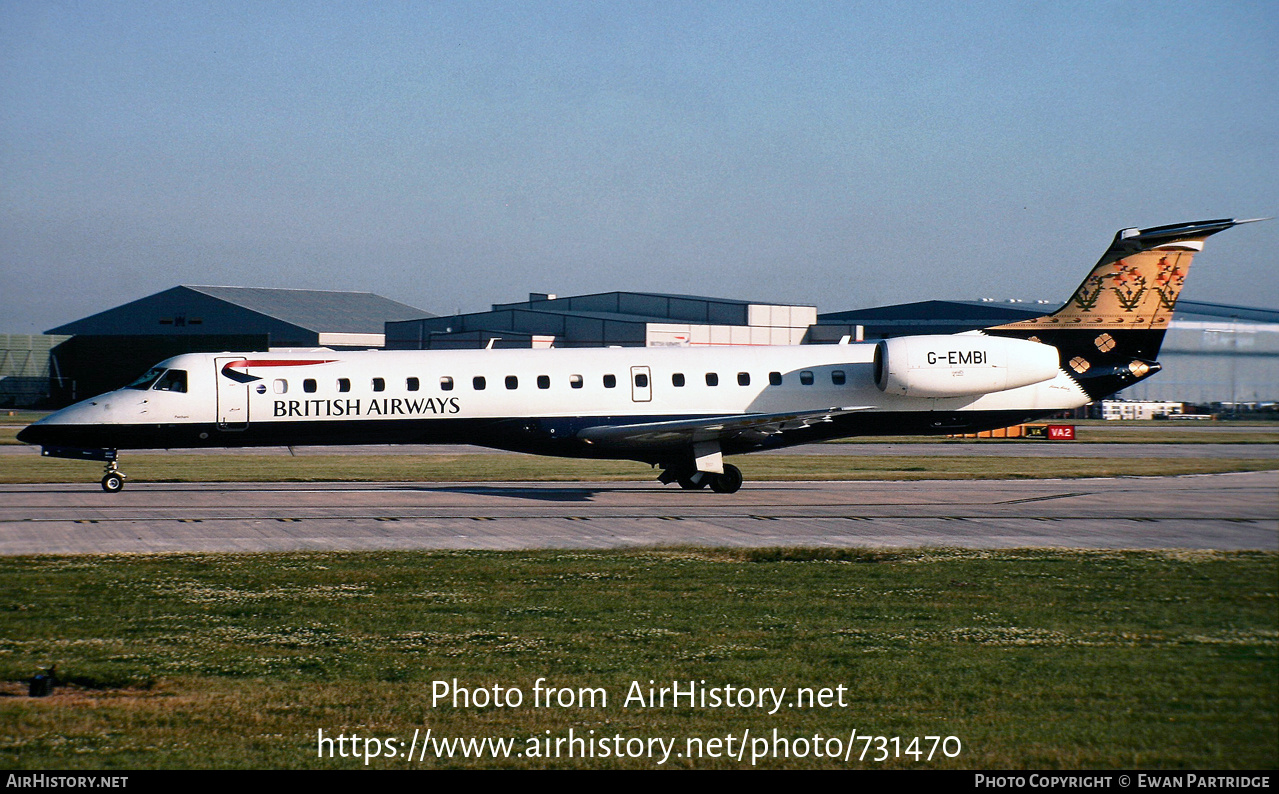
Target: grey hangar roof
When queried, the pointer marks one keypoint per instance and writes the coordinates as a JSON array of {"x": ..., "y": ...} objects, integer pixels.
[{"x": 289, "y": 316}]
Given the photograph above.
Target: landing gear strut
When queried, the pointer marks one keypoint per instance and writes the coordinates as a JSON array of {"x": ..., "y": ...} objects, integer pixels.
[{"x": 113, "y": 479}]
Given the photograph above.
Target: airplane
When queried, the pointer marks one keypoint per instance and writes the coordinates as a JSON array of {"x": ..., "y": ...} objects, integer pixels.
[{"x": 678, "y": 409}]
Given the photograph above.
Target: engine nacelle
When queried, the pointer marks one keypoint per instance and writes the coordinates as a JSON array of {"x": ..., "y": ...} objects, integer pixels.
[{"x": 960, "y": 366}]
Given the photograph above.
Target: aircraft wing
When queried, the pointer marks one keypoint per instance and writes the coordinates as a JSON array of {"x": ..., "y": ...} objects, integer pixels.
[{"x": 683, "y": 432}]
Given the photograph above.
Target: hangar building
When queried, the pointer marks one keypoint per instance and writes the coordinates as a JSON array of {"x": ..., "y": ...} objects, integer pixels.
[
  {"x": 1214, "y": 353},
  {"x": 27, "y": 369},
  {"x": 111, "y": 348},
  {"x": 624, "y": 319},
  {"x": 1211, "y": 354},
  {"x": 923, "y": 317}
]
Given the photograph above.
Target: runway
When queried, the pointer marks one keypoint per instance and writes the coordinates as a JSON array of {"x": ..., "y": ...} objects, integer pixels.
[{"x": 1219, "y": 511}]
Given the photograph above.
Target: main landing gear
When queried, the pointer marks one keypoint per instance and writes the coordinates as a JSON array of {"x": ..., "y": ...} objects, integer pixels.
[
  {"x": 113, "y": 479},
  {"x": 728, "y": 482}
]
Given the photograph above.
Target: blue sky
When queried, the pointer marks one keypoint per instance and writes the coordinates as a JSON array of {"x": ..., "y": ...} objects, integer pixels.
[{"x": 452, "y": 155}]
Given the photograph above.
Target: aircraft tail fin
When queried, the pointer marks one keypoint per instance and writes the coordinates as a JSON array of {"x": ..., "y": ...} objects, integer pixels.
[{"x": 1110, "y": 331}]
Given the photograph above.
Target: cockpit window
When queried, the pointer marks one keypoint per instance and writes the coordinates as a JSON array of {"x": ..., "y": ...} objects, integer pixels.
[
  {"x": 172, "y": 380},
  {"x": 143, "y": 383}
]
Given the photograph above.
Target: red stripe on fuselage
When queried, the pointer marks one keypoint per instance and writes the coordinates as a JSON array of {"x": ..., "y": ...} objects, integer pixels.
[{"x": 276, "y": 363}]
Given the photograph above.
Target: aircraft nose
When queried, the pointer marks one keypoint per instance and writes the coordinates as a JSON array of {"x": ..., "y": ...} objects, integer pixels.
[
  {"x": 55, "y": 431},
  {"x": 85, "y": 425},
  {"x": 38, "y": 433}
]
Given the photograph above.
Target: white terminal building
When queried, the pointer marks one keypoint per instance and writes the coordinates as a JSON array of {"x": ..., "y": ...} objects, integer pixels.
[{"x": 1140, "y": 409}]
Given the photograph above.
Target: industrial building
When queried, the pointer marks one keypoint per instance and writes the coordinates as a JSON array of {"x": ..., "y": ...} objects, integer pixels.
[
  {"x": 111, "y": 348},
  {"x": 1216, "y": 355},
  {"x": 923, "y": 317},
  {"x": 1212, "y": 354},
  {"x": 27, "y": 369},
  {"x": 623, "y": 319},
  {"x": 1140, "y": 409}
]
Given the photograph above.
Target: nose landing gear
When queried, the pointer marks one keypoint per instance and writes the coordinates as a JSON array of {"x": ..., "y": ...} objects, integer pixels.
[{"x": 113, "y": 478}]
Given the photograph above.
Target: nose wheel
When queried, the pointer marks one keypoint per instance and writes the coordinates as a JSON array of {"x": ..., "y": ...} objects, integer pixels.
[{"x": 113, "y": 479}]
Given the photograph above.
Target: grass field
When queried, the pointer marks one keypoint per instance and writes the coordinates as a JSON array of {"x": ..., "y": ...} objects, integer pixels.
[{"x": 1032, "y": 659}]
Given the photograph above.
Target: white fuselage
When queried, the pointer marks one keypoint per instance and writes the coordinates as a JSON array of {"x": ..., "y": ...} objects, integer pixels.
[{"x": 315, "y": 388}]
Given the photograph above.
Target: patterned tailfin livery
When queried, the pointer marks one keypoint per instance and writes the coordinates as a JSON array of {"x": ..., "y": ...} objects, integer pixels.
[{"x": 1110, "y": 331}]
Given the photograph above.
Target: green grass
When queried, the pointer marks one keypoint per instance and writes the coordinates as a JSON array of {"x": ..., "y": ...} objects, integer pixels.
[
  {"x": 484, "y": 467},
  {"x": 1034, "y": 659}
]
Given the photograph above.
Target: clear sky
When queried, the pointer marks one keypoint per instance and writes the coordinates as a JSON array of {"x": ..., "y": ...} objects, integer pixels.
[{"x": 452, "y": 155}]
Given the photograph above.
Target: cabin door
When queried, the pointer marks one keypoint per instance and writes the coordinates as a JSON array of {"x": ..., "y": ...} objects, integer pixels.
[
  {"x": 233, "y": 394},
  {"x": 641, "y": 385}
]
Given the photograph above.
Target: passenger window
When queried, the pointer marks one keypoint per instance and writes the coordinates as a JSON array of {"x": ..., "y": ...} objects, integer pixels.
[
  {"x": 281, "y": 386},
  {"x": 379, "y": 384},
  {"x": 446, "y": 383},
  {"x": 837, "y": 377},
  {"x": 775, "y": 378},
  {"x": 575, "y": 381},
  {"x": 478, "y": 382},
  {"x": 610, "y": 381},
  {"x": 806, "y": 378},
  {"x": 743, "y": 379},
  {"x": 677, "y": 379},
  {"x": 412, "y": 384},
  {"x": 543, "y": 381},
  {"x": 344, "y": 384},
  {"x": 173, "y": 380},
  {"x": 712, "y": 379},
  {"x": 308, "y": 386},
  {"x": 512, "y": 382}
]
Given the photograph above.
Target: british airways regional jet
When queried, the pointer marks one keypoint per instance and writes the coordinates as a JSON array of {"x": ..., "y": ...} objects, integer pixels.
[{"x": 680, "y": 409}]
